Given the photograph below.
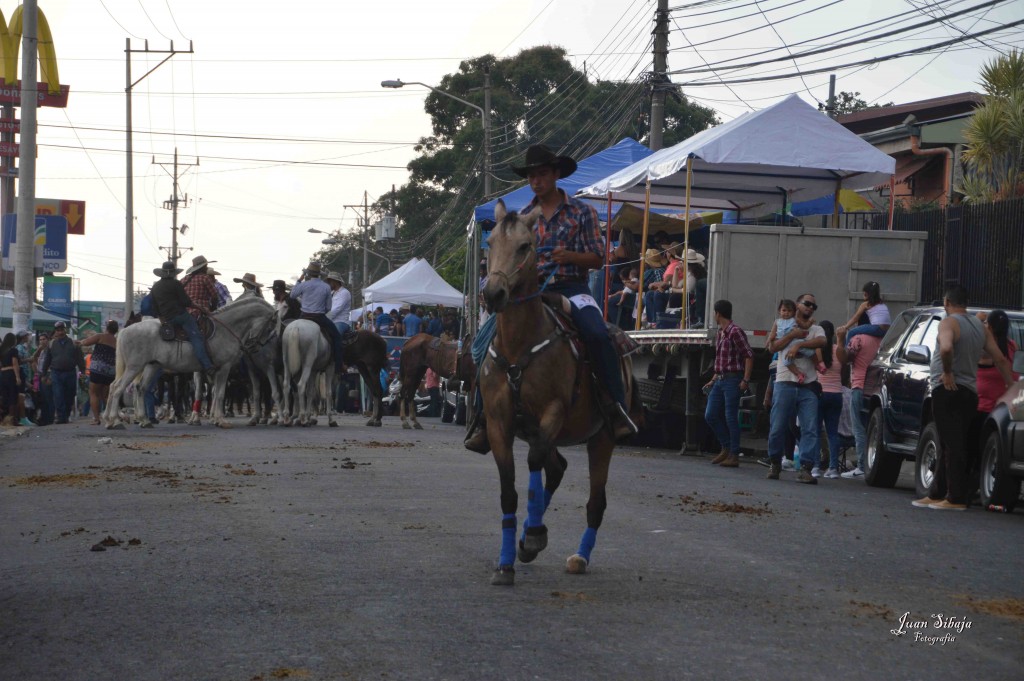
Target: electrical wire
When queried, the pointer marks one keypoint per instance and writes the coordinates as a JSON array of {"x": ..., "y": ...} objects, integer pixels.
[{"x": 118, "y": 22}]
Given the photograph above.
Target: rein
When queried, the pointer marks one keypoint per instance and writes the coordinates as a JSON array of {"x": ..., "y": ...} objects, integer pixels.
[
  {"x": 247, "y": 347},
  {"x": 551, "y": 265},
  {"x": 514, "y": 372}
]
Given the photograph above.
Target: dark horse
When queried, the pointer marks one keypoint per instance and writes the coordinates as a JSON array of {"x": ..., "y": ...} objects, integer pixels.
[
  {"x": 368, "y": 353},
  {"x": 422, "y": 352},
  {"x": 533, "y": 388}
]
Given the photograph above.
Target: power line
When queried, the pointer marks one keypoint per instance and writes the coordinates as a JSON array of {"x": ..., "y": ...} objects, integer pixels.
[
  {"x": 875, "y": 60},
  {"x": 758, "y": 28}
]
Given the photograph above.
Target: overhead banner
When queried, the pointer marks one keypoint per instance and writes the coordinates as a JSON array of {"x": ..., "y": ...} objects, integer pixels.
[{"x": 57, "y": 295}]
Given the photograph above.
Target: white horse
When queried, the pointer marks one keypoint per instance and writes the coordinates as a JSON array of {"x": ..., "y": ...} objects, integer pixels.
[
  {"x": 140, "y": 345},
  {"x": 306, "y": 352}
]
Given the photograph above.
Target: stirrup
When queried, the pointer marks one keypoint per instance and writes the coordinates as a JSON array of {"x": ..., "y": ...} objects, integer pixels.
[{"x": 624, "y": 423}]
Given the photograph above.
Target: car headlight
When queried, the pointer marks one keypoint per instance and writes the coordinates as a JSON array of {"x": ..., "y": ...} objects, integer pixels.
[{"x": 1014, "y": 400}]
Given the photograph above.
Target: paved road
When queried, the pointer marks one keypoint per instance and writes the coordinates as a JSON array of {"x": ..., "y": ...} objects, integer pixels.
[{"x": 361, "y": 553}]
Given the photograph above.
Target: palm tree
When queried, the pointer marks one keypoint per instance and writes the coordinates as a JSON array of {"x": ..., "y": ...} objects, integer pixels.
[{"x": 994, "y": 158}]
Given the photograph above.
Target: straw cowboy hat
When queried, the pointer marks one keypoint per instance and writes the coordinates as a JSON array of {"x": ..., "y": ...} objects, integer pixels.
[
  {"x": 198, "y": 263},
  {"x": 539, "y": 156},
  {"x": 654, "y": 258},
  {"x": 335, "y": 276},
  {"x": 213, "y": 273},
  {"x": 693, "y": 256},
  {"x": 168, "y": 270},
  {"x": 312, "y": 269},
  {"x": 248, "y": 278}
]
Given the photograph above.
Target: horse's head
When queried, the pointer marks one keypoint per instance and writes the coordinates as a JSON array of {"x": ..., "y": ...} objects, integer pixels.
[{"x": 512, "y": 262}]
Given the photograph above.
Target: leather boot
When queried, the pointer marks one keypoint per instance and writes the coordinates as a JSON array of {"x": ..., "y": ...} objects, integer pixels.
[
  {"x": 776, "y": 469},
  {"x": 477, "y": 440},
  {"x": 722, "y": 456},
  {"x": 731, "y": 461}
]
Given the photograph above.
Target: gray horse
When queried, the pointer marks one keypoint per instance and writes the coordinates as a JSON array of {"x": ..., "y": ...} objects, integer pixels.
[
  {"x": 306, "y": 354},
  {"x": 139, "y": 345}
]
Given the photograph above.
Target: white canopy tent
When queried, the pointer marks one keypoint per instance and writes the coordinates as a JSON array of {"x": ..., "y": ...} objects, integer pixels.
[
  {"x": 786, "y": 152},
  {"x": 416, "y": 284},
  {"x": 764, "y": 159}
]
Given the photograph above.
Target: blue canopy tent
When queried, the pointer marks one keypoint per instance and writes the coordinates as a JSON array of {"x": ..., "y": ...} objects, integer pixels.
[{"x": 591, "y": 169}]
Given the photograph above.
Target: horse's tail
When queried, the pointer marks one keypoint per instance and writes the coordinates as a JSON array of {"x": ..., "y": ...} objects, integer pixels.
[{"x": 119, "y": 363}]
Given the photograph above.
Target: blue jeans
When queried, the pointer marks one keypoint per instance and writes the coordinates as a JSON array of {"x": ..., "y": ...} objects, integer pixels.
[
  {"x": 860, "y": 433},
  {"x": 830, "y": 407},
  {"x": 589, "y": 322},
  {"x": 722, "y": 413},
  {"x": 788, "y": 400},
  {"x": 149, "y": 394},
  {"x": 188, "y": 322},
  {"x": 64, "y": 388},
  {"x": 869, "y": 329}
]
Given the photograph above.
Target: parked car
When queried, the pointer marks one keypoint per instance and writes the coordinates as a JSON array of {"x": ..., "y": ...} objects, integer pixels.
[
  {"x": 897, "y": 401},
  {"x": 1002, "y": 448}
]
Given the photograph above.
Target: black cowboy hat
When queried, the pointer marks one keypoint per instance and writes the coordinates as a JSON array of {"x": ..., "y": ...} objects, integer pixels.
[
  {"x": 279, "y": 285},
  {"x": 539, "y": 156},
  {"x": 168, "y": 270}
]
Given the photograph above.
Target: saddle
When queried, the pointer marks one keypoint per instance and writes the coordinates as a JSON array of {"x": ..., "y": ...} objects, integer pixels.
[
  {"x": 562, "y": 308},
  {"x": 169, "y": 332}
]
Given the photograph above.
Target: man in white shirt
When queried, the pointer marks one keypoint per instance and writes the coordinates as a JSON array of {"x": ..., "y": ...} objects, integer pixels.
[{"x": 341, "y": 303}]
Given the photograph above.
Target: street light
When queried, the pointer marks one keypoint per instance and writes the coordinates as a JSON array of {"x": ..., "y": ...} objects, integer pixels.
[{"x": 485, "y": 114}]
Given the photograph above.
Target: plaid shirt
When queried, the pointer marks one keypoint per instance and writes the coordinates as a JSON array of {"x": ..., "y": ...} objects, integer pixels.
[
  {"x": 223, "y": 295},
  {"x": 731, "y": 349},
  {"x": 201, "y": 291},
  {"x": 574, "y": 227}
]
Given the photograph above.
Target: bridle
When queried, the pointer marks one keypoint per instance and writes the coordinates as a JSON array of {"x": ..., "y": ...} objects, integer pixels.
[{"x": 518, "y": 268}]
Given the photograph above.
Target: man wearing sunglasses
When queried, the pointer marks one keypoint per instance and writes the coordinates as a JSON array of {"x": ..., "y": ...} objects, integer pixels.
[{"x": 796, "y": 398}]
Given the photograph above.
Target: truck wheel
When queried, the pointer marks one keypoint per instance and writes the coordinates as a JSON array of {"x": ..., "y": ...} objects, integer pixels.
[
  {"x": 447, "y": 410},
  {"x": 883, "y": 467},
  {"x": 926, "y": 458},
  {"x": 996, "y": 484}
]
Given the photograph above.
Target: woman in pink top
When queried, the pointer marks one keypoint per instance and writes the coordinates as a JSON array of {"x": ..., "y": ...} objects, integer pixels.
[
  {"x": 830, "y": 402},
  {"x": 990, "y": 383}
]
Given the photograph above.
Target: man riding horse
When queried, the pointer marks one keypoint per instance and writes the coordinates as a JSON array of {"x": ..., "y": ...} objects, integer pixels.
[
  {"x": 314, "y": 294},
  {"x": 171, "y": 304},
  {"x": 570, "y": 243}
]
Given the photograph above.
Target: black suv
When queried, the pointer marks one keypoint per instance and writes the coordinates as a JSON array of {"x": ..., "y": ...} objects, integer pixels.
[{"x": 897, "y": 403}]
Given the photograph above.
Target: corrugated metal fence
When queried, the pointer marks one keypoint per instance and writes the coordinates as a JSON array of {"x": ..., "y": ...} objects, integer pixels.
[{"x": 979, "y": 246}]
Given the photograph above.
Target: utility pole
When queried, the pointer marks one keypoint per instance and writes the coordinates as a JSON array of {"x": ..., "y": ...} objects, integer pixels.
[
  {"x": 129, "y": 202},
  {"x": 659, "y": 80},
  {"x": 24, "y": 271},
  {"x": 364, "y": 223},
  {"x": 173, "y": 253},
  {"x": 830, "y": 107}
]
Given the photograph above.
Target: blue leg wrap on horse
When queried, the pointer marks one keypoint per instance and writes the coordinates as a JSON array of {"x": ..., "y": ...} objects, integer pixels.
[
  {"x": 587, "y": 542},
  {"x": 508, "y": 540},
  {"x": 535, "y": 503}
]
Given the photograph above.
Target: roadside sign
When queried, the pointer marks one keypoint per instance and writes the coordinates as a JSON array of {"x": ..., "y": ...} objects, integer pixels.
[
  {"x": 57, "y": 295},
  {"x": 9, "y": 149},
  {"x": 51, "y": 242},
  {"x": 10, "y": 125},
  {"x": 72, "y": 210}
]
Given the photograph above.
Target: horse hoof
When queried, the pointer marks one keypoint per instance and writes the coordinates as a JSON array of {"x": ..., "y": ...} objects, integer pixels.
[
  {"x": 116, "y": 426},
  {"x": 373, "y": 424},
  {"x": 417, "y": 426},
  {"x": 504, "y": 576},
  {"x": 406, "y": 426},
  {"x": 224, "y": 424},
  {"x": 535, "y": 541},
  {"x": 576, "y": 565},
  {"x": 263, "y": 422},
  {"x": 332, "y": 424}
]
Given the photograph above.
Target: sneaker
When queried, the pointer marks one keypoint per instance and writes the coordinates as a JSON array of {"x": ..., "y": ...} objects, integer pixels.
[
  {"x": 765, "y": 461},
  {"x": 815, "y": 472},
  {"x": 832, "y": 474},
  {"x": 788, "y": 465},
  {"x": 805, "y": 477},
  {"x": 722, "y": 456},
  {"x": 25, "y": 422},
  {"x": 855, "y": 473},
  {"x": 944, "y": 505},
  {"x": 924, "y": 502}
]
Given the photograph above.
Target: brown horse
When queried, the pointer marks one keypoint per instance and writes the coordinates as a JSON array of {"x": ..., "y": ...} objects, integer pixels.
[
  {"x": 533, "y": 388},
  {"x": 368, "y": 353},
  {"x": 422, "y": 352}
]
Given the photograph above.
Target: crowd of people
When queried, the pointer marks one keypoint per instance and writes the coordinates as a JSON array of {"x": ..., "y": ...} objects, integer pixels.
[{"x": 814, "y": 364}]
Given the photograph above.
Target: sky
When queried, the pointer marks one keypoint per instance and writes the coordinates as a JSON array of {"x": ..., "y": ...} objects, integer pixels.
[{"x": 280, "y": 113}]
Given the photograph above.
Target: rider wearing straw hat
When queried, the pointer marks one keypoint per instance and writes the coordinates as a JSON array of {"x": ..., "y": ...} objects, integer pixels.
[
  {"x": 249, "y": 284},
  {"x": 570, "y": 231},
  {"x": 315, "y": 296},
  {"x": 171, "y": 304}
]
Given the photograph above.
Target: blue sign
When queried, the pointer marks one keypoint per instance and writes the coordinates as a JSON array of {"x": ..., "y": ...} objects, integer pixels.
[
  {"x": 51, "y": 242},
  {"x": 57, "y": 295}
]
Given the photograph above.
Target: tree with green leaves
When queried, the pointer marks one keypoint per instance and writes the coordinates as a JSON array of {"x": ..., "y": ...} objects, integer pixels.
[
  {"x": 537, "y": 96},
  {"x": 994, "y": 158},
  {"x": 849, "y": 102}
]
